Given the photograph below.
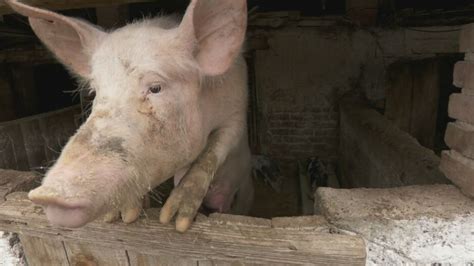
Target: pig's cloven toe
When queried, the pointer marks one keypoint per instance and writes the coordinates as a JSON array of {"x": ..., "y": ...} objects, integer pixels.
[
  {"x": 130, "y": 215},
  {"x": 111, "y": 216}
]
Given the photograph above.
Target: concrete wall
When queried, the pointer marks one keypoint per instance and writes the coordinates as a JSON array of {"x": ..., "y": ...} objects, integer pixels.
[
  {"x": 374, "y": 153},
  {"x": 306, "y": 65}
]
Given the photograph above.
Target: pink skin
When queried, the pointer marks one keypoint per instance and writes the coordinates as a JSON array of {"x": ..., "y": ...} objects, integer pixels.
[{"x": 137, "y": 135}]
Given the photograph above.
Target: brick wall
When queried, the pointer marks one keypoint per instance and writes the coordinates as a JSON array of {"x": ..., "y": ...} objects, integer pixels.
[
  {"x": 302, "y": 71},
  {"x": 301, "y": 134}
]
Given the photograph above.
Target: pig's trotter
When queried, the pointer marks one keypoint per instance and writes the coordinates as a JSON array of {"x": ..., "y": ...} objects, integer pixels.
[
  {"x": 128, "y": 212},
  {"x": 187, "y": 197}
]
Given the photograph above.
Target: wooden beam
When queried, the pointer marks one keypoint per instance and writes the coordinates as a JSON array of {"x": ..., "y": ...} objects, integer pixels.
[
  {"x": 221, "y": 238},
  {"x": 69, "y": 4}
]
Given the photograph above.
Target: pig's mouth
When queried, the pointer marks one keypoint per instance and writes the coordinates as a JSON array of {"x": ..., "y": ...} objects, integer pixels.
[{"x": 70, "y": 213}]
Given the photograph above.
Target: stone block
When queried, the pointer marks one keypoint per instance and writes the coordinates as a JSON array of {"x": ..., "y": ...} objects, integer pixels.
[
  {"x": 406, "y": 225},
  {"x": 461, "y": 107},
  {"x": 463, "y": 76},
  {"x": 460, "y": 170},
  {"x": 460, "y": 137}
]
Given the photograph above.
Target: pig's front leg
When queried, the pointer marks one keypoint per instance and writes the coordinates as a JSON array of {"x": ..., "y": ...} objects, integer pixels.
[{"x": 188, "y": 195}]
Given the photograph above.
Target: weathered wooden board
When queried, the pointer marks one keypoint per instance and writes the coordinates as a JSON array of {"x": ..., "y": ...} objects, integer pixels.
[
  {"x": 224, "y": 238},
  {"x": 413, "y": 93},
  {"x": 13, "y": 181},
  {"x": 426, "y": 91},
  {"x": 398, "y": 106},
  {"x": 137, "y": 259},
  {"x": 69, "y": 4},
  {"x": 32, "y": 142},
  {"x": 79, "y": 253},
  {"x": 43, "y": 251}
]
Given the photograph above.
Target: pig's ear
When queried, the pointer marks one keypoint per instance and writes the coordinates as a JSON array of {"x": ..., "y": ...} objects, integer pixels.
[
  {"x": 218, "y": 28},
  {"x": 71, "y": 40}
]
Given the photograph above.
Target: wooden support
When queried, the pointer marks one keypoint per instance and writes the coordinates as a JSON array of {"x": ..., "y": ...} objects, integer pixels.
[
  {"x": 220, "y": 238},
  {"x": 70, "y": 4}
]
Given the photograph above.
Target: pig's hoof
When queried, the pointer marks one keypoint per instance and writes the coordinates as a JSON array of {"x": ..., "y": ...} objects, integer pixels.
[
  {"x": 128, "y": 215},
  {"x": 184, "y": 201},
  {"x": 111, "y": 216}
]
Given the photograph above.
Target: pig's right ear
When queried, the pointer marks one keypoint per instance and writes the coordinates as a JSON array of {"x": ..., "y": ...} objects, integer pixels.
[
  {"x": 71, "y": 40},
  {"x": 216, "y": 29}
]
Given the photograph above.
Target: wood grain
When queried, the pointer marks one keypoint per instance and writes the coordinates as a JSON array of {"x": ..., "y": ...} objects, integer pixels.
[
  {"x": 43, "y": 251},
  {"x": 221, "y": 238}
]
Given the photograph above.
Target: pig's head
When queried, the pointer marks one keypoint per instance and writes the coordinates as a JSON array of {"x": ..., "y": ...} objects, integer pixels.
[{"x": 147, "y": 119}]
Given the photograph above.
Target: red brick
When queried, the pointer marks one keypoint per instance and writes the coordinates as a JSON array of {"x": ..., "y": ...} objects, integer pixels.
[
  {"x": 460, "y": 170},
  {"x": 460, "y": 137},
  {"x": 463, "y": 76},
  {"x": 461, "y": 107},
  {"x": 466, "y": 41}
]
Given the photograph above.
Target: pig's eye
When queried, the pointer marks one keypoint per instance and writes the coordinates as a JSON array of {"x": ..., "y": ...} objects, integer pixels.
[{"x": 154, "y": 88}]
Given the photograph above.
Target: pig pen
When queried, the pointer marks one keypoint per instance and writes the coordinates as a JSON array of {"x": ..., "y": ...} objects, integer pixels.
[
  {"x": 394, "y": 206},
  {"x": 32, "y": 142},
  {"x": 411, "y": 215}
]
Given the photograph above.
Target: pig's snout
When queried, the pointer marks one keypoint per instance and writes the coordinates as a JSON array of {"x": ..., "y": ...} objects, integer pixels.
[{"x": 60, "y": 210}]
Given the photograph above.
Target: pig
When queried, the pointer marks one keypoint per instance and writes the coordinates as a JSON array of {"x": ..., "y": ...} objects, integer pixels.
[{"x": 171, "y": 99}]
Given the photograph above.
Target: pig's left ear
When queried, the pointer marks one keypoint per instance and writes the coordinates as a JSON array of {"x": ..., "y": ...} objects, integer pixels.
[
  {"x": 71, "y": 40},
  {"x": 218, "y": 28}
]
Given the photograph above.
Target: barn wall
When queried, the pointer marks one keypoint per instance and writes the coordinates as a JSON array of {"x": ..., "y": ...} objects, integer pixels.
[{"x": 304, "y": 70}]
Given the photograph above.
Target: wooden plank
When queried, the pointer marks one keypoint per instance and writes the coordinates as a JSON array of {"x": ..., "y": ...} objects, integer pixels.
[
  {"x": 69, "y": 4},
  {"x": 12, "y": 148},
  {"x": 87, "y": 254},
  {"x": 34, "y": 141},
  {"x": 425, "y": 101},
  {"x": 14, "y": 181},
  {"x": 399, "y": 95},
  {"x": 239, "y": 239},
  {"x": 43, "y": 251},
  {"x": 137, "y": 259}
]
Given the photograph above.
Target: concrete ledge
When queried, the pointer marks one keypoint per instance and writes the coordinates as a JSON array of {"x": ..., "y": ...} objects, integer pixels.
[
  {"x": 417, "y": 224},
  {"x": 373, "y": 152}
]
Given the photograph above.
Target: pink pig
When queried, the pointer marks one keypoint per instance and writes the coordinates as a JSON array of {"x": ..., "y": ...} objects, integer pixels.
[{"x": 171, "y": 100}]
